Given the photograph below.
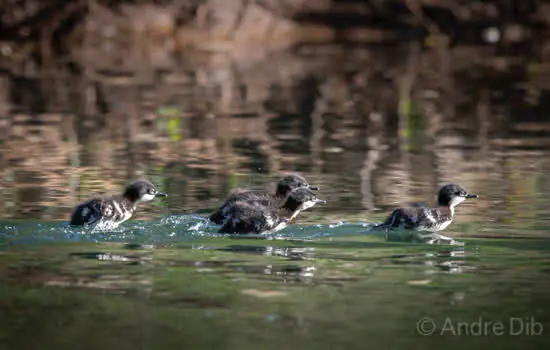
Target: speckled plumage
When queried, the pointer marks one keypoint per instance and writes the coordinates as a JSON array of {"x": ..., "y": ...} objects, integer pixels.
[
  {"x": 429, "y": 220},
  {"x": 107, "y": 212},
  {"x": 419, "y": 219},
  {"x": 246, "y": 217},
  {"x": 260, "y": 197}
]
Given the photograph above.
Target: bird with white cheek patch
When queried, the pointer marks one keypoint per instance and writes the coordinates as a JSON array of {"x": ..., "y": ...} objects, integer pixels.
[
  {"x": 107, "y": 212},
  {"x": 285, "y": 186},
  {"x": 246, "y": 217},
  {"x": 429, "y": 220}
]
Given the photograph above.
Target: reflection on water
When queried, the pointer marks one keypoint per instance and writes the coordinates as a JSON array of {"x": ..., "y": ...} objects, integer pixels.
[
  {"x": 329, "y": 117},
  {"x": 292, "y": 253},
  {"x": 346, "y": 282},
  {"x": 372, "y": 126}
]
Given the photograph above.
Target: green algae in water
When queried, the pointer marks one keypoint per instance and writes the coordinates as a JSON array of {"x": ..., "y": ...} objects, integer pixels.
[{"x": 343, "y": 290}]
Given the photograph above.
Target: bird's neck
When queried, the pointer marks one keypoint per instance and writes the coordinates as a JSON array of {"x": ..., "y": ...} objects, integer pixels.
[
  {"x": 288, "y": 213},
  {"x": 128, "y": 203},
  {"x": 450, "y": 209}
]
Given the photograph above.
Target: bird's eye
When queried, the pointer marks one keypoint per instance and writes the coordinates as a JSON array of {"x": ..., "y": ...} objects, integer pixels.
[
  {"x": 151, "y": 191},
  {"x": 458, "y": 193}
]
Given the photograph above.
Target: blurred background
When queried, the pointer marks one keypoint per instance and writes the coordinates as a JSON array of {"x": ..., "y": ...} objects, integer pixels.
[{"x": 377, "y": 101}]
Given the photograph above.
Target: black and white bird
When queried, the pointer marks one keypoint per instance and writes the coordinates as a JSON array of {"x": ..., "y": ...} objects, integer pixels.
[
  {"x": 247, "y": 217},
  {"x": 429, "y": 220},
  {"x": 107, "y": 212},
  {"x": 260, "y": 197}
]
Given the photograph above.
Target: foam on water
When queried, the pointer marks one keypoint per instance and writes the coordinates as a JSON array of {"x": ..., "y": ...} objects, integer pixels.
[{"x": 169, "y": 229}]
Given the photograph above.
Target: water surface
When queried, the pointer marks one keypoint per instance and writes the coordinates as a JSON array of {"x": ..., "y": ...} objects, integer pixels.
[
  {"x": 324, "y": 286},
  {"x": 341, "y": 116}
]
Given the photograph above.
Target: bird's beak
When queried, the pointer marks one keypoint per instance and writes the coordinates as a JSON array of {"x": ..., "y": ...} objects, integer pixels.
[
  {"x": 318, "y": 200},
  {"x": 470, "y": 195},
  {"x": 315, "y": 188},
  {"x": 161, "y": 194}
]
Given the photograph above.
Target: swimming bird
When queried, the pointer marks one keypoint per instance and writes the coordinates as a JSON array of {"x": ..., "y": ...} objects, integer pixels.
[
  {"x": 107, "y": 212},
  {"x": 260, "y": 197},
  {"x": 247, "y": 217},
  {"x": 429, "y": 220}
]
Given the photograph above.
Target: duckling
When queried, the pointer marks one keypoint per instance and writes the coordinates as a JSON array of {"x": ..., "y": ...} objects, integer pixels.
[
  {"x": 259, "y": 197},
  {"x": 430, "y": 220},
  {"x": 247, "y": 217},
  {"x": 110, "y": 211}
]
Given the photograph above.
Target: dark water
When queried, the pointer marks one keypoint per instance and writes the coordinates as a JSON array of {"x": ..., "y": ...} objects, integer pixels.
[{"x": 165, "y": 279}]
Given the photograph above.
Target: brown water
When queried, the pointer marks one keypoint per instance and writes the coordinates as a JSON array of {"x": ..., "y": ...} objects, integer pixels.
[{"x": 373, "y": 127}]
